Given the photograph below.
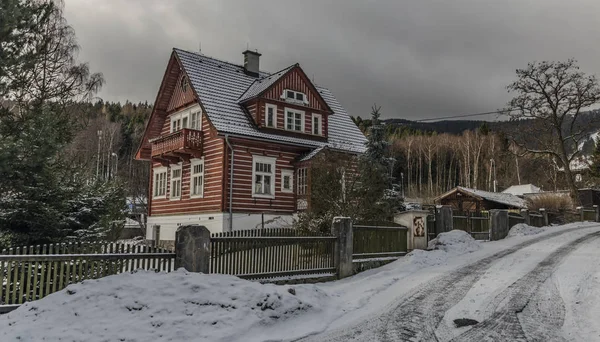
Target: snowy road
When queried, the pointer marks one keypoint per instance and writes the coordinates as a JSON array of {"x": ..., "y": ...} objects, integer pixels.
[{"x": 542, "y": 289}]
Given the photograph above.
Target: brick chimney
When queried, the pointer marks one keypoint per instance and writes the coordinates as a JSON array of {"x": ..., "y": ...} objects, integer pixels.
[{"x": 251, "y": 62}]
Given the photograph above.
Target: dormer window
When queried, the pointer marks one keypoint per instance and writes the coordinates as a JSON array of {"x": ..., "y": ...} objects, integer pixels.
[
  {"x": 294, "y": 96},
  {"x": 294, "y": 120}
]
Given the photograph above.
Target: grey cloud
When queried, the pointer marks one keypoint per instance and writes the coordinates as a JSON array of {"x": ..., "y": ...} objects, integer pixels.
[{"x": 417, "y": 59}]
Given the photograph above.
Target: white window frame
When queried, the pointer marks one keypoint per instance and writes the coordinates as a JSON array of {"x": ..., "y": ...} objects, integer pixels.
[
  {"x": 197, "y": 124},
  {"x": 263, "y": 160},
  {"x": 284, "y": 97},
  {"x": 193, "y": 163},
  {"x": 155, "y": 182},
  {"x": 294, "y": 112},
  {"x": 319, "y": 126},
  {"x": 287, "y": 173},
  {"x": 185, "y": 115},
  {"x": 173, "y": 181},
  {"x": 302, "y": 186},
  {"x": 267, "y": 107}
]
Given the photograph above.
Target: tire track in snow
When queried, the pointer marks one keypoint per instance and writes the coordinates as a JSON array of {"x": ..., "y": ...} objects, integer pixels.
[
  {"x": 517, "y": 305},
  {"x": 417, "y": 315}
]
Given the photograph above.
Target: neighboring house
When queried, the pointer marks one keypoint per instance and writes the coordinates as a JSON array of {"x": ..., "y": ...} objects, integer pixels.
[
  {"x": 522, "y": 190},
  {"x": 473, "y": 200},
  {"x": 230, "y": 145}
]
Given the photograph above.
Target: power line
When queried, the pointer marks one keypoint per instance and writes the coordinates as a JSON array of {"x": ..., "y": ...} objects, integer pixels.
[{"x": 503, "y": 111}]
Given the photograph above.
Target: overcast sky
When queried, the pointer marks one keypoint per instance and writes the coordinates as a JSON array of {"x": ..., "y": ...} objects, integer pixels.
[{"x": 417, "y": 59}]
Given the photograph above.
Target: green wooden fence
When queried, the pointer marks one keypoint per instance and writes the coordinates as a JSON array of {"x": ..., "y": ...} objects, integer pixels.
[
  {"x": 272, "y": 253},
  {"x": 378, "y": 242},
  {"x": 33, "y": 272}
]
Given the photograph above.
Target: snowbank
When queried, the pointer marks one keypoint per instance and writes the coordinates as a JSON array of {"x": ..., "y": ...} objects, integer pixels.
[
  {"x": 522, "y": 229},
  {"x": 149, "y": 306},
  {"x": 443, "y": 247}
]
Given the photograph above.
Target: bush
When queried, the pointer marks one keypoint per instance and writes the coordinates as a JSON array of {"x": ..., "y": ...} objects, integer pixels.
[{"x": 552, "y": 202}]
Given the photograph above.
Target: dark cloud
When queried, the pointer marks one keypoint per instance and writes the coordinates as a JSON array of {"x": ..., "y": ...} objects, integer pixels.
[{"x": 417, "y": 59}]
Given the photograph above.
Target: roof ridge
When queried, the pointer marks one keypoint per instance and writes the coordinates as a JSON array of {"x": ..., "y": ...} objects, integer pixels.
[
  {"x": 200, "y": 54},
  {"x": 283, "y": 72}
]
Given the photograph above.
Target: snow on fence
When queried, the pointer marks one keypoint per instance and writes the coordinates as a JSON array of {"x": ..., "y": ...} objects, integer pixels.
[
  {"x": 272, "y": 253},
  {"x": 33, "y": 272},
  {"x": 379, "y": 242}
]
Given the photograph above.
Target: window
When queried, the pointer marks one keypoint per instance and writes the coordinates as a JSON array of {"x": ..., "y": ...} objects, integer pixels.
[
  {"x": 176, "y": 182},
  {"x": 294, "y": 96},
  {"x": 302, "y": 181},
  {"x": 184, "y": 84},
  {"x": 159, "y": 186},
  {"x": 197, "y": 178},
  {"x": 271, "y": 115},
  {"x": 294, "y": 120},
  {"x": 287, "y": 181},
  {"x": 196, "y": 120},
  {"x": 263, "y": 173},
  {"x": 316, "y": 124},
  {"x": 187, "y": 118}
]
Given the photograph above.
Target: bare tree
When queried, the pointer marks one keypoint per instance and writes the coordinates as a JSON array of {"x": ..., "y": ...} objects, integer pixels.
[{"x": 552, "y": 95}]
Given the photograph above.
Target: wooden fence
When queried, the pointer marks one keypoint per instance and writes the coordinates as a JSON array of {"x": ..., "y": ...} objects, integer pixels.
[
  {"x": 33, "y": 272},
  {"x": 476, "y": 225},
  {"x": 272, "y": 253},
  {"x": 514, "y": 219},
  {"x": 379, "y": 242}
]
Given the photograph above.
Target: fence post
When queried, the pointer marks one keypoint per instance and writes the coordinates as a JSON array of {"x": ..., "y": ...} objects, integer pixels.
[
  {"x": 498, "y": 224},
  {"x": 192, "y": 248},
  {"x": 597, "y": 211},
  {"x": 581, "y": 213},
  {"x": 156, "y": 234},
  {"x": 342, "y": 229},
  {"x": 544, "y": 214},
  {"x": 525, "y": 214},
  {"x": 443, "y": 219}
]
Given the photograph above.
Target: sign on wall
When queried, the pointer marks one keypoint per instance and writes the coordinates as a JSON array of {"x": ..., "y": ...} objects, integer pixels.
[{"x": 418, "y": 226}]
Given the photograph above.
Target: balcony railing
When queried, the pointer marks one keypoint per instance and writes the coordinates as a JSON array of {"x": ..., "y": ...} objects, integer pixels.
[{"x": 185, "y": 141}]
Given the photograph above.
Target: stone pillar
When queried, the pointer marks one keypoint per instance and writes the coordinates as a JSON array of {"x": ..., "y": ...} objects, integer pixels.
[
  {"x": 342, "y": 229},
  {"x": 156, "y": 235},
  {"x": 580, "y": 209},
  {"x": 498, "y": 224},
  {"x": 597, "y": 210},
  {"x": 416, "y": 222},
  {"x": 192, "y": 248},
  {"x": 544, "y": 214},
  {"x": 525, "y": 214},
  {"x": 443, "y": 219}
]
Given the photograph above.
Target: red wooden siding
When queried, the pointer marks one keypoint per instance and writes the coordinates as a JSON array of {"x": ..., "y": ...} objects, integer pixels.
[
  {"x": 181, "y": 98},
  {"x": 213, "y": 150},
  {"x": 295, "y": 80},
  {"x": 243, "y": 182},
  {"x": 281, "y": 117}
]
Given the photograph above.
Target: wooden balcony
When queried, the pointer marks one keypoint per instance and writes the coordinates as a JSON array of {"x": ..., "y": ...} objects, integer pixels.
[{"x": 183, "y": 144}]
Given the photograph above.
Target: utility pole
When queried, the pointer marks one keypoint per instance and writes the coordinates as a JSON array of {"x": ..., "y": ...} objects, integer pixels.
[
  {"x": 493, "y": 169},
  {"x": 98, "y": 155}
]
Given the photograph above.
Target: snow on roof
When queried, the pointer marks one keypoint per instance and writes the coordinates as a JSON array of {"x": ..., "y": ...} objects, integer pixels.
[
  {"x": 262, "y": 84},
  {"x": 498, "y": 197},
  {"x": 220, "y": 85},
  {"x": 520, "y": 190}
]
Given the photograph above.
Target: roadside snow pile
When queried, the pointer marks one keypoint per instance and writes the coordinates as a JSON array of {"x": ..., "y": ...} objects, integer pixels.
[
  {"x": 521, "y": 229},
  {"x": 444, "y": 246},
  {"x": 149, "y": 306}
]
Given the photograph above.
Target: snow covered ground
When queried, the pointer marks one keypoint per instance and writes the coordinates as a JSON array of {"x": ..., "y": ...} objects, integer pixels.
[{"x": 457, "y": 278}]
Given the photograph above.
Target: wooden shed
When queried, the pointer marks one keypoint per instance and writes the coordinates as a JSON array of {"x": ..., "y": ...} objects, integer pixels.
[{"x": 472, "y": 200}]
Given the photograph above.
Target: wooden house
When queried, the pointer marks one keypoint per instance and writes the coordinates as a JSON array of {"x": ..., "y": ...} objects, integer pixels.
[
  {"x": 472, "y": 200},
  {"x": 229, "y": 145}
]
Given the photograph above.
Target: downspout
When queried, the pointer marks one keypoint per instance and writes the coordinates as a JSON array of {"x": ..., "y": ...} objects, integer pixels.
[{"x": 230, "y": 183}]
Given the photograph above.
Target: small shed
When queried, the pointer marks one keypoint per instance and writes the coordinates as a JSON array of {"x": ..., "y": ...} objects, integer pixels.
[{"x": 472, "y": 200}]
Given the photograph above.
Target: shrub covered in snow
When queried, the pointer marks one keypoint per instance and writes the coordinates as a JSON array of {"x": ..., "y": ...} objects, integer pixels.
[
  {"x": 455, "y": 241},
  {"x": 148, "y": 306},
  {"x": 522, "y": 229}
]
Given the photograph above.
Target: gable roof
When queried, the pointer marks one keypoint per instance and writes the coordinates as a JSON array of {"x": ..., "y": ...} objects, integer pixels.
[
  {"x": 497, "y": 197},
  {"x": 520, "y": 190},
  {"x": 263, "y": 83},
  {"x": 219, "y": 86}
]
